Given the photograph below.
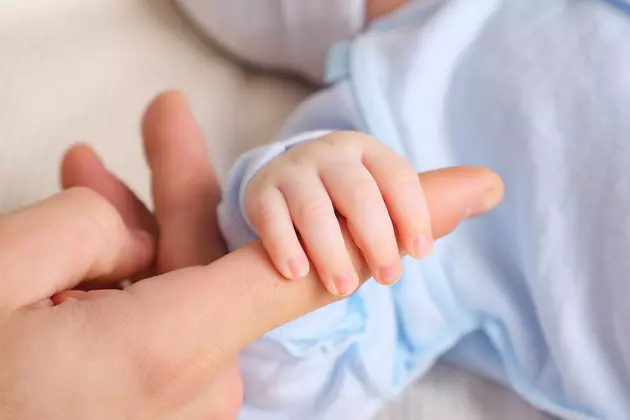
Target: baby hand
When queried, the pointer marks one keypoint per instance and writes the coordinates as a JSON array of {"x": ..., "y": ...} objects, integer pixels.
[{"x": 366, "y": 182}]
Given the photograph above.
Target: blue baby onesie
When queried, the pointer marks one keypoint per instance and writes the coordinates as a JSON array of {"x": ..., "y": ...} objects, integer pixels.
[{"x": 534, "y": 295}]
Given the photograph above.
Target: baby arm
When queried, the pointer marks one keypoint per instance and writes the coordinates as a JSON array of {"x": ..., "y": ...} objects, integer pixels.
[{"x": 295, "y": 187}]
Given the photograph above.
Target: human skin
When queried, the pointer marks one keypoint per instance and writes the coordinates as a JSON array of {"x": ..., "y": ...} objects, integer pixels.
[
  {"x": 379, "y": 8},
  {"x": 343, "y": 173},
  {"x": 165, "y": 347}
]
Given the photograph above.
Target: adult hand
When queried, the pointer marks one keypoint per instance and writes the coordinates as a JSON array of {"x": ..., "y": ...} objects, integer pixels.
[
  {"x": 150, "y": 351},
  {"x": 186, "y": 195}
]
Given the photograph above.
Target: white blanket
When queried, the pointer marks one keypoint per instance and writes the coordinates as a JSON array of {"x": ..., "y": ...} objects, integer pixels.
[{"x": 83, "y": 70}]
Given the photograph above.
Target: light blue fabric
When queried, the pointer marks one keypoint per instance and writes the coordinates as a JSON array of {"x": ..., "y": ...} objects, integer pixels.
[{"x": 534, "y": 295}]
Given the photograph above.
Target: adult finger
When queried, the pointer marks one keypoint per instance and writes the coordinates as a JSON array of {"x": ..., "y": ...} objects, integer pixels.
[
  {"x": 185, "y": 188},
  {"x": 208, "y": 313},
  {"x": 81, "y": 167},
  {"x": 71, "y": 237},
  {"x": 186, "y": 195}
]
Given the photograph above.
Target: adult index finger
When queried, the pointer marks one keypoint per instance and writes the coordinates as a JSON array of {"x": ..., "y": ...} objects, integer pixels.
[{"x": 207, "y": 314}]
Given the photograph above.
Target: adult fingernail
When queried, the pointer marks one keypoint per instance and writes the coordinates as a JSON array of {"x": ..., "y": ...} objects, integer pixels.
[
  {"x": 298, "y": 267},
  {"x": 489, "y": 200}
]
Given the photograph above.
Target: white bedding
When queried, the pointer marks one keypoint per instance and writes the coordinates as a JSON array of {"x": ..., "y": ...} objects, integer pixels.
[{"x": 83, "y": 70}]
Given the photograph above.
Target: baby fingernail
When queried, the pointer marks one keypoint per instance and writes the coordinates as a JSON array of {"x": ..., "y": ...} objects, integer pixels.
[
  {"x": 298, "y": 267},
  {"x": 388, "y": 275},
  {"x": 422, "y": 246},
  {"x": 344, "y": 284}
]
